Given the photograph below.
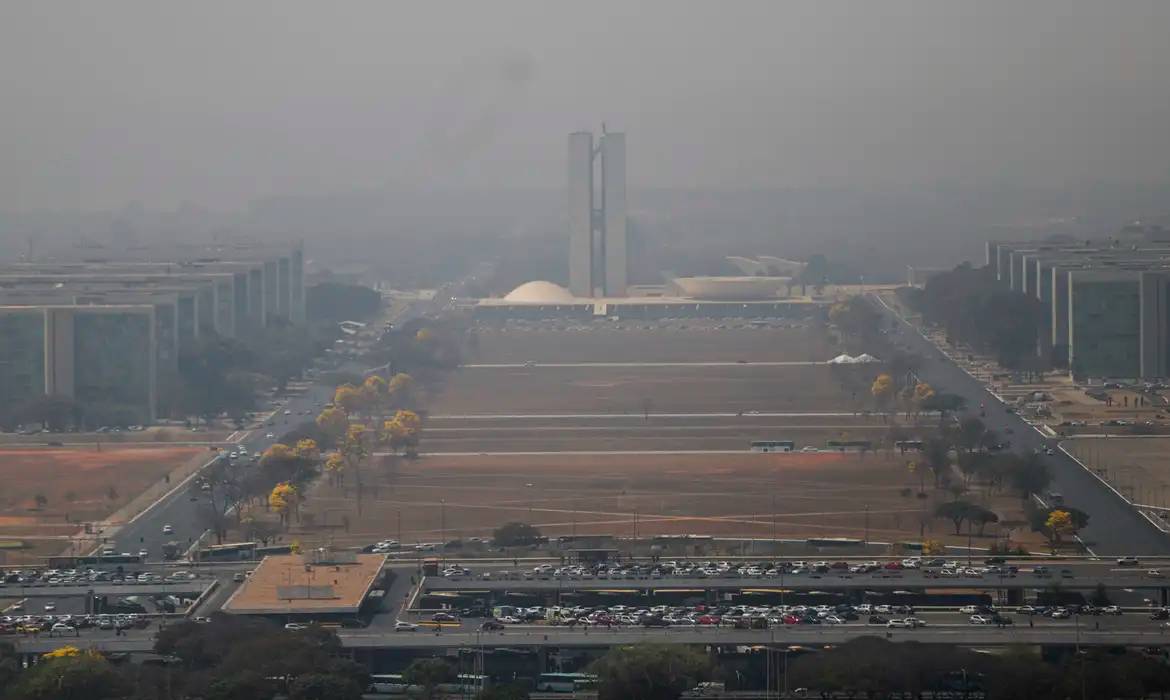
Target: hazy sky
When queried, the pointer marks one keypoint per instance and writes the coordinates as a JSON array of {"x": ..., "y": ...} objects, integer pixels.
[{"x": 221, "y": 101}]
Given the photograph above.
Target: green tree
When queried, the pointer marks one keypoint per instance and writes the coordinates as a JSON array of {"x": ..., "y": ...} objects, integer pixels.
[
  {"x": 955, "y": 511},
  {"x": 650, "y": 671},
  {"x": 324, "y": 686},
  {"x": 246, "y": 685},
  {"x": 515, "y": 534},
  {"x": 511, "y": 691},
  {"x": 1031, "y": 475},
  {"x": 428, "y": 673},
  {"x": 84, "y": 676}
]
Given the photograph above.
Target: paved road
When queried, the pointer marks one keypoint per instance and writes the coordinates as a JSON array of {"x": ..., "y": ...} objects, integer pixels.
[
  {"x": 968, "y": 635},
  {"x": 1114, "y": 527},
  {"x": 546, "y": 365},
  {"x": 804, "y": 582},
  {"x": 178, "y": 509}
]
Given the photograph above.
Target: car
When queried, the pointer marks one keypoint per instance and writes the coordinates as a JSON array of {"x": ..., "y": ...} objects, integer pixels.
[
  {"x": 969, "y": 610},
  {"x": 296, "y": 626},
  {"x": 238, "y": 577},
  {"x": 62, "y": 627},
  {"x": 168, "y": 529},
  {"x": 143, "y": 553},
  {"x": 1127, "y": 561},
  {"x": 1027, "y": 610},
  {"x": 1155, "y": 573},
  {"x": 401, "y": 626},
  {"x": 50, "y": 606},
  {"x": 443, "y": 617},
  {"x": 270, "y": 436},
  {"x": 491, "y": 625},
  {"x": 1111, "y": 610},
  {"x": 980, "y": 620},
  {"x": 896, "y": 622}
]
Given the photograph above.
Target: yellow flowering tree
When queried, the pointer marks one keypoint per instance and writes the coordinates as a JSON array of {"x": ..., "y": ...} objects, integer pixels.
[
  {"x": 283, "y": 499},
  {"x": 333, "y": 423}
]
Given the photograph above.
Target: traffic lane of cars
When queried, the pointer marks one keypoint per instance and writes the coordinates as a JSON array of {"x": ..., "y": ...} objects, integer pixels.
[
  {"x": 178, "y": 510},
  {"x": 590, "y": 581},
  {"x": 423, "y": 622}
]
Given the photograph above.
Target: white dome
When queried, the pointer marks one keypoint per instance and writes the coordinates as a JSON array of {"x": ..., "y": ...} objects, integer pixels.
[{"x": 540, "y": 292}]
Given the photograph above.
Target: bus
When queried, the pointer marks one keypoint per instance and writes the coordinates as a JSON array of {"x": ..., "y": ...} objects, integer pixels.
[
  {"x": 907, "y": 445},
  {"x": 773, "y": 446},
  {"x": 850, "y": 445},
  {"x": 565, "y": 682},
  {"x": 386, "y": 684}
]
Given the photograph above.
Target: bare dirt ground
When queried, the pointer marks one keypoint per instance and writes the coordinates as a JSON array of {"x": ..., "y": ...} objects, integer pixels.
[
  {"x": 1137, "y": 467},
  {"x": 740, "y": 495},
  {"x": 699, "y": 341},
  {"x": 672, "y": 389},
  {"x": 79, "y": 485}
]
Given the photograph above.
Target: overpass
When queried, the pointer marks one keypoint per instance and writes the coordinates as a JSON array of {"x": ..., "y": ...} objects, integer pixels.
[{"x": 529, "y": 638}]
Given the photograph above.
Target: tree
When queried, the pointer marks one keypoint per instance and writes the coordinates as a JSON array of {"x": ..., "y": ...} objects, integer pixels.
[
  {"x": 71, "y": 675},
  {"x": 335, "y": 302},
  {"x": 428, "y": 673},
  {"x": 515, "y": 534},
  {"x": 335, "y": 468},
  {"x": 402, "y": 430},
  {"x": 649, "y": 671},
  {"x": 955, "y": 511},
  {"x": 882, "y": 390},
  {"x": 246, "y": 685},
  {"x": 333, "y": 423},
  {"x": 511, "y": 691},
  {"x": 283, "y": 500},
  {"x": 307, "y": 449},
  {"x": 1057, "y": 525},
  {"x": 971, "y": 432},
  {"x": 324, "y": 686},
  {"x": 856, "y": 317},
  {"x": 1031, "y": 475},
  {"x": 981, "y": 517},
  {"x": 349, "y": 398}
]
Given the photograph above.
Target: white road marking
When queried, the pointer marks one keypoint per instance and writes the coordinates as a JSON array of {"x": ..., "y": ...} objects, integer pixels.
[{"x": 554, "y": 365}]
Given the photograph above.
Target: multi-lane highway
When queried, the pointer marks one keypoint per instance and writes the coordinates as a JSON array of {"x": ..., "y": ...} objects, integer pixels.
[
  {"x": 1114, "y": 528},
  {"x": 1080, "y": 633}
]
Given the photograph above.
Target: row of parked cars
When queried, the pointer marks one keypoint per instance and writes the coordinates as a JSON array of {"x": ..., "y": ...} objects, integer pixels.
[
  {"x": 71, "y": 624},
  {"x": 32, "y": 578},
  {"x": 757, "y": 570}
]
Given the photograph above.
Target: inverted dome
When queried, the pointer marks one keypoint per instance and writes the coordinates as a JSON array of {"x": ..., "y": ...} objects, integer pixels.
[
  {"x": 540, "y": 292},
  {"x": 731, "y": 288}
]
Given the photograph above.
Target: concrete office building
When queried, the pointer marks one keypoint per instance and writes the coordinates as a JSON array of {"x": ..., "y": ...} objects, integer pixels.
[
  {"x": 598, "y": 262},
  {"x": 1105, "y": 305},
  {"x": 94, "y": 354},
  {"x": 111, "y": 331}
]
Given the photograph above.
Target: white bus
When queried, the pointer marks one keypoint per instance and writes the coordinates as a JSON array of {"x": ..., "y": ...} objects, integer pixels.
[
  {"x": 565, "y": 682},
  {"x": 773, "y": 446}
]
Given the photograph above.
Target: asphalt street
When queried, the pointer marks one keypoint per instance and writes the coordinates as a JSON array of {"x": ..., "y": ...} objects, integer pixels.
[
  {"x": 180, "y": 510},
  {"x": 1114, "y": 527}
]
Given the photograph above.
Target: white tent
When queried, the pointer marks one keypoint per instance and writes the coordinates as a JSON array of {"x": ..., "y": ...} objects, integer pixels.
[
  {"x": 866, "y": 358},
  {"x": 843, "y": 360}
]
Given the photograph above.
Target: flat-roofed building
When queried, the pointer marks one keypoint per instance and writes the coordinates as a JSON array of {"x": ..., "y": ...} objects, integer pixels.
[{"x": 318, "y": 585}]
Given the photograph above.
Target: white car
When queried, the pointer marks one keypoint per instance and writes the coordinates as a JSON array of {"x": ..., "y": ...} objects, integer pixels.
[
  {"x": 168, "y": 529},
  {"x": 979, "y": 620},
  {"x": 270, "y": 436},
  {"x": 61, "y": 627},
  {"x": 968, "y": 610},
  {"x": 296, "y": 627},
  {"x": 50, "y": 606},
  {"x": 401, "y": 626},
  {"x": 143, "y": 553}
]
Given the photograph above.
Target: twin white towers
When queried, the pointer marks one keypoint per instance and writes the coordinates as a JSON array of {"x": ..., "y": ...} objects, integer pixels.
[{"x": 597, "y": 220}]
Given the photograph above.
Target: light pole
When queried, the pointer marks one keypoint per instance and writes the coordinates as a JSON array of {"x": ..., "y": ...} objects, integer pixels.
[
  {"x": 442, "y": 529},
  {"x": 528, "y": 487}
]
